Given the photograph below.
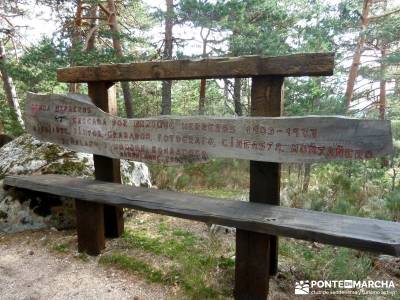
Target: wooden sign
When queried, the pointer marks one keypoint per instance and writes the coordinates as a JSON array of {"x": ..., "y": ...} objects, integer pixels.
[{"x": 73, "y": 121}]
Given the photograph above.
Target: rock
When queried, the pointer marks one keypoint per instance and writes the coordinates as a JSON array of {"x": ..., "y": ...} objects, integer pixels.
[
  {"x": 216, "y": 229},
  {"x": 27, "y": 155},
  {"x": 390, "y": 264},
  {"x": 386, "y": 258},
  {"x": 135, "y": 173}
]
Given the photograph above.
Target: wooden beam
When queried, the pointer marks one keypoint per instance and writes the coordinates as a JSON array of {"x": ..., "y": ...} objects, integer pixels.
[
  {"x": 105, "y": 168},
  {"x": 251, "y": 265},
  {"x": 354, "y": 232},
  {"x": 90, "y": 227},
  {"x": 267, "y": 101},
  {"x": 311, "y": 64}
]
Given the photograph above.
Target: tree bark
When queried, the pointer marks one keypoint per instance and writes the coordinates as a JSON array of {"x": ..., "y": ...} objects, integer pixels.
[
  {"x": 115, "y": 31},
  {"x": 76, "y": 40},
  {"x": 357, "y": 55},
  {"x": 9, "y": 88},
  {"x": 91, "y": 37},
  {"x": 168, "y": 44},
  {"x": 203, "y": 82},
  {"x": 202, "y": 99},
  {"x": 226, "y": 95},
  {"x": 382, "y": 85},
  {"x": 237, "y": 87},
  {"x": 306, "y": 181}
]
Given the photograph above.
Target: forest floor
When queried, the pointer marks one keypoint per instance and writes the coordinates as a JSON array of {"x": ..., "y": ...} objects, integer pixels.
[
  {"x": 30, "y": 269},
  {"x": 158, "y": 257}
]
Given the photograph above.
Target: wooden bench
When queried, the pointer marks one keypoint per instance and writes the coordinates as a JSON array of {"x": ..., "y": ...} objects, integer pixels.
[
  {"x": 99, "y": 202},
  {"x": 348, "y": 231}
]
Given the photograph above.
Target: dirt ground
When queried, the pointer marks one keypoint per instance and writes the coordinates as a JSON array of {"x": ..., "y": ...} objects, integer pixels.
[{"x": 29, "y": 269}]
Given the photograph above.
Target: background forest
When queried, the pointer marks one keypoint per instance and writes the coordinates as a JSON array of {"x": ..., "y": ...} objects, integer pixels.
[{"x": 39, "y": 36}]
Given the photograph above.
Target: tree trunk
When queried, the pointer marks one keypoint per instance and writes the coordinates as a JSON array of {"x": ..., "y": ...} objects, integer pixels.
[
  {"x": 382, "y": 85},
  {"x": 306, "y": 181},
  {"x": 91, "y": 37},
  {"x": 237, "y": 86},
  {"x": 9, "y": 88},
  {"x": 167, "y": 84},
  {"x": 226, "y": 95},
  {"x": 357, "y": 55},
  {"x": 115, "y": 31},
  {"x": 202, "y": 99},
  {"x": 203, "y": 82},
  {"x": 76, "y": 40}
]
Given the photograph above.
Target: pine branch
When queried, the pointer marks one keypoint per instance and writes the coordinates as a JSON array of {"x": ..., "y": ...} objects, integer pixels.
[{"x": 374, "y": 18}]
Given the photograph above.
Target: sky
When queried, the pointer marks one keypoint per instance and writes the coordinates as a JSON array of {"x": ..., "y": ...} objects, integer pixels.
[{"x": 39, "y": 24}]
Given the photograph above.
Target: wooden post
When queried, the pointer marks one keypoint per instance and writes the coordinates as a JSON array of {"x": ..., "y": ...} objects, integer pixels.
[
  {"x": 107, "y": 169},
  {"x": 256, "y": 254},
  {"x": 90, "y": 227},
  {"x": 251, "y": 265},
  {"x": 267, "y": 101}
]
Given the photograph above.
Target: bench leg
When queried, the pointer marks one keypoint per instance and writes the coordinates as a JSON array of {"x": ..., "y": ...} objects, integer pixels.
[
  {"x": 90, "y": 227},
  {"x": 252, "y": 265},
  {"x": 265, "y": 188},
  {"x": 108, "y": 169}
]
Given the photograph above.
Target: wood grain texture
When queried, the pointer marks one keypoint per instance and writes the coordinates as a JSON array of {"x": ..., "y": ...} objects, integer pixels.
[
  {"x": 313, "y": 64},
  {"x": 74, "y": 122},
  {"x": 265, "y": 177},
  {"x": 90, "y": 227},
  {"x": 252, "y": 265},
  {"x": 103, "y": 95},
  {"x": 354, "y": 232}
]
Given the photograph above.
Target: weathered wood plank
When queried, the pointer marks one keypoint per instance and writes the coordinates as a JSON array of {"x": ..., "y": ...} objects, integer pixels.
[
  {"x": 90, "y": 226},
  {"x": 265, "y": 177},
  {"x": 103, "y": 95},
  {"x": 74, "y": 122},
  {"x": 354, "y": 232},
  {"x": 313, "y": 64},
  {"x": 252, "y": 265}
]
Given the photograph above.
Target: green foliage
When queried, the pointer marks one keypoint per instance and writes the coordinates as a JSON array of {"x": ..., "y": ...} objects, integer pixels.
[
  {"x": 193, "y": 260},
  {"x": 311, "y": 96},
  {"x": 326, "y": 262},
  {"x": 136, "y": 266},
  {"x": 201, "y": 13},
  {"x": 392, "y": 204},
  {"x": 62, "y": 248},
  {"x": 258, "y": 27},
  {"x": 350, "y": 188},
  {"x": 9, "y": 119},
  {"x": 185, "y": 98},
  {"x": 217, "y": 174},
  {"x": 36, "y": 69}
]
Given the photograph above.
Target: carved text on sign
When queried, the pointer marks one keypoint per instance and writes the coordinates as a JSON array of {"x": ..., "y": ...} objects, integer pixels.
[{"x": 75, "y": 122}]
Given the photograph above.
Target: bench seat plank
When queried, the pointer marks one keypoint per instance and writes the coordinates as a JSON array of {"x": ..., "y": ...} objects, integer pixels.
[{"x": 354, "y": 232}]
